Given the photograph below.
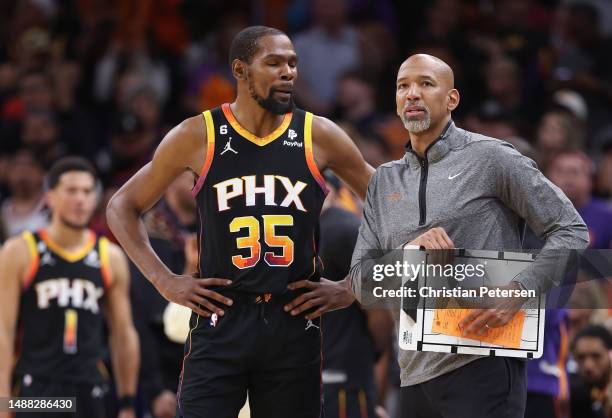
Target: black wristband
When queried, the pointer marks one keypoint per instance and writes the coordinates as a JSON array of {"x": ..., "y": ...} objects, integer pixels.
[{"x": 126, "y": 402}]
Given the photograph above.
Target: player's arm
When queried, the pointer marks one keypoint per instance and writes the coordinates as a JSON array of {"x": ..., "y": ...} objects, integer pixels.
[
  {"x": 334, "y": 149},
  {"x": 124, "y": 345},
  {"x": 14, "y": 260},
  {"x": 183, "y": 148}
]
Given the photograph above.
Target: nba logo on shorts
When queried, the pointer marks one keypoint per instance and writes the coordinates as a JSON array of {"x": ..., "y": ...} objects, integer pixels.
[{"x": 213, "y": 320}]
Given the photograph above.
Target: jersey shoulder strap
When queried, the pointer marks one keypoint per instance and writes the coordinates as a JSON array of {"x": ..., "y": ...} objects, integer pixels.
[
  {"x": 34, "y": 258},
  {"x": 105, "y": 270}
]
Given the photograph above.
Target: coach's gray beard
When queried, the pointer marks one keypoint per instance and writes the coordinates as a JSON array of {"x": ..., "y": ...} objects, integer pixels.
[{"x": 416, "y": 126}]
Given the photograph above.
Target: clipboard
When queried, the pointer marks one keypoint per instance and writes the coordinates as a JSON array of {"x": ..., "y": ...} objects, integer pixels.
[{"x": 425, "y": 325}]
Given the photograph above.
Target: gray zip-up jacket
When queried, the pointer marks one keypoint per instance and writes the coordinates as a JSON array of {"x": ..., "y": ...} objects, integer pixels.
[{"x": 477, "y": 188}]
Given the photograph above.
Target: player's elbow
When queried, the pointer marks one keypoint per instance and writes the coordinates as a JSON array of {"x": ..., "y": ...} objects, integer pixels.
[
  {"x": 116, "y": 209},
  {"x": 112, "y": 209}
]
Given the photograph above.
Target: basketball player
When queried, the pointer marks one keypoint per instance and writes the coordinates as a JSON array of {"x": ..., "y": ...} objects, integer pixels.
[
  {"x": 258, "y": 296},
  {"x": 56, "y": 284}
]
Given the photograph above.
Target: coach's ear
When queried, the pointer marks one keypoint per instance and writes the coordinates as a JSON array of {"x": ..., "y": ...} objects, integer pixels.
[
  {"x": 239, "y": 69},
  {"x": 452, "y": 100}
]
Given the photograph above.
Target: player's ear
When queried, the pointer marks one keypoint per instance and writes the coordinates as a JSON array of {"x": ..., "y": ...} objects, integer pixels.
[
  {"x": 239, "y": 69},
  {"x": 49, "y": 198}
]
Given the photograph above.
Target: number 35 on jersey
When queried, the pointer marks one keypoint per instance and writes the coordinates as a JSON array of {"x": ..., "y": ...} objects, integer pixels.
[{"x": 245, "y": 188}]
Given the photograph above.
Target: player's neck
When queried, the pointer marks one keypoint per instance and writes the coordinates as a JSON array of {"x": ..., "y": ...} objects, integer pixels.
[
  {"x": 254, "y": 118},
  {"x": 66, "y": 237}
]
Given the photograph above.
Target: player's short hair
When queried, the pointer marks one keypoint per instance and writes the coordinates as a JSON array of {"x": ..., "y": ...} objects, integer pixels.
[
  {"x": 594, "y": 331},
  {"x": 64, "y": 165},
  {"x": 246, "y": 42}
]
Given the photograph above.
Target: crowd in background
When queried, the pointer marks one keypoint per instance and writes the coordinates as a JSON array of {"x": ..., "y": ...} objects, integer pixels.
[{"x": 107, "y": 79}]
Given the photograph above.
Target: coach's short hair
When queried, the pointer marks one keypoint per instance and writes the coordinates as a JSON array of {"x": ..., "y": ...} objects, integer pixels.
[
  {"x": 594, "y": 331},
  {"x": 246, "y": 42},
  {"x": 64, "y": 165}
]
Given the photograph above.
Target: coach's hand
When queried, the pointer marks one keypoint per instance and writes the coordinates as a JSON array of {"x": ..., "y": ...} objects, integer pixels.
[
  {"x": 325, "y": 295},
  {"x": 194, "y": 293},
  {"x": 479, "y": 321},
  {"x": 434, "y": 239}
]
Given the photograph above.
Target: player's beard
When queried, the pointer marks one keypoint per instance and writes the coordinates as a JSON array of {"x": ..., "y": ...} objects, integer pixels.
[
  {"x": 269, "y": 103},
  {"x": 416, "y": 126},
  {"x": 73, "y": 225}
]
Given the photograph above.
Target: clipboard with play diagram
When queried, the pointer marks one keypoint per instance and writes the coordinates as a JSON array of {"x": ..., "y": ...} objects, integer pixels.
[{"x": 429, "y": 319}]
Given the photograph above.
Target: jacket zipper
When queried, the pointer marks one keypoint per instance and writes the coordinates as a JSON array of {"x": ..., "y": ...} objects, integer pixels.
[{"x": 422, "y": 191}]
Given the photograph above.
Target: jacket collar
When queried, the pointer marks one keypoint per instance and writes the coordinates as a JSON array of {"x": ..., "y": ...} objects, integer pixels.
[{"x": 435, "y": 151}]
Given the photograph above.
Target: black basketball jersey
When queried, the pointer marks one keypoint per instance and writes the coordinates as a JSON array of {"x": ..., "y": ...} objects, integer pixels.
[
  {"x": 259, "y": 201},
  {"x": 60, "y": 317}
]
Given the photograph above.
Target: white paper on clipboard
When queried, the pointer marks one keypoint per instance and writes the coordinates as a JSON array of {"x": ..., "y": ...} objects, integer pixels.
[{"x": 417, "y": 319}]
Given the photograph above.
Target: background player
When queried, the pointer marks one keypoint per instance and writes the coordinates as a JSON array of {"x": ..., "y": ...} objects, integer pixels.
[
  {"x": 55, "y": 284},
  {"x": 258, "y": 209}
]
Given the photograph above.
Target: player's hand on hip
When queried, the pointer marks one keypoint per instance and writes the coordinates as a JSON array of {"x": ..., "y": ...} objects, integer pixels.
[
  {"x": 323, "y": 296},
  {"x": 194, "y": 293},
  {"x": 434, "y": 239},
  {"x": 479, "y": 321}
]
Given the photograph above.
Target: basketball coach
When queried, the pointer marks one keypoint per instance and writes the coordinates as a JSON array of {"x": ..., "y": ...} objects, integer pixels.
[{"x": 458, "y": 189}]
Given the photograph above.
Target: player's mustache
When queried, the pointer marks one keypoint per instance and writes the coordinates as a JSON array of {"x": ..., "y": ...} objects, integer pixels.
[{"x": 286, "y": 88}]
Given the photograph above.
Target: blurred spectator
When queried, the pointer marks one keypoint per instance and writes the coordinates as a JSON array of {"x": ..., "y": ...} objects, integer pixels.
[
  {"x": 572, "y": 102},
  {"x": 356, "y": 100},
  {"x": 36, "y": 91},
  {"x": 32, "y": 93},
  {"x": 587, "y": 306},
  {"x": 583, "y": 60},
  {"x": 133, "y": 57},
  {"x": 25, "y": 208},
  {"x": 490, "y": 119},
  {"x": 604, "y": 10},
  {"x": 210, "y": 78},
  {"x": 143, "y": 102},
  {"x": 373, "y": 148},
  {"x": 444, "y": 19},
  {"x": 558, "y": 131},
  {"x": 604, "y": 174},
  {"x": 130, "y": 148},
  {"x": 573, "y": 172},
  {"x": 503, "y": 82},
  {"x": 326, "y": 51},
  {"x": 381, "y": 47},
  {"x": 590, "y": 349},
  {"x": 41, "y": 134},
  {"x": 79, "y": 131}
]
